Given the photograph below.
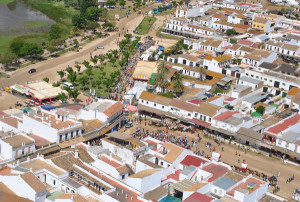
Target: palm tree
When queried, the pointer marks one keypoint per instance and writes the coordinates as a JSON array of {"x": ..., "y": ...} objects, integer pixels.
[
  {"x": 161, "y": 81},
  {"x": 178, "y": 47},
  {"x": 61, "y": 73},
  {"x": 62, "y": 97},
  {"x": 78, "y": 67},
  {"x": 178, "y": 85},
  {"x": 94, "y": 60},
  {"x": 162, "y": 67}
]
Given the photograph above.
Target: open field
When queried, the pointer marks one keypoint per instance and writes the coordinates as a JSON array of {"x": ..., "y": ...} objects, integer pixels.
[
  {"x": 145, "y": 25},
  {"x": 112, "y": 12},
  {"x": 35, "y": 24},
  {"x": 5, "y": 1}
]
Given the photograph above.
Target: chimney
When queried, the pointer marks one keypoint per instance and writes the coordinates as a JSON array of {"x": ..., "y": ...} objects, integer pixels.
[{"x": 76, "y": 154}]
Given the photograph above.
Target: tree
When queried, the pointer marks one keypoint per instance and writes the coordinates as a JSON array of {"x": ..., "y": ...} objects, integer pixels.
[
  {"x": 93, "y": 25},
  {"x": 8, "y": 58},
  {"x": 122, "y": 3},
  {"x": 84, "y": 5},
  {"x": 55, "y": 32},
  {"x": 115, "y": 53},
  {"x": 113, "y": 61},
  {"x": 61, "y": 73},
  {"x": 62, "y": 97},
  {"x": 177, "y": 48},
  {"x": 78, "y": 67},
  {"x": 92, "y": 13},
  {"x": 78, "y": 21},
  {"x": 89, "y": 72},
  {"x": 109, "y": 55},
  {"x": 69, "y": 70},
  {"x": 102, "y": 58},
  {"x": 72, "y": 77},
  {"x": 94, "y": 60},
  {"x": 174, "y": 4},
  {"x": 56, "y": 84},
  {"x": 108, "y": 25},
  {"x": 162, "y": 68},
  {"x": 46, "y": 79},
  {"x": 161, "y": 81},
  {"x": 177, "y": 83},
  {"x": 86, "y": 63},
  {"x": 83, "y": 81},
  {"x": 230, "y": 32},
  {"x": 260, "y": 109},
  {"x": 31, "y": 49},
  {"x": 16, "y": 47},
  {"x": 75, "y": 93},
  {"x": 110, "y": 3},
  {"x": 181, "y": 3}
]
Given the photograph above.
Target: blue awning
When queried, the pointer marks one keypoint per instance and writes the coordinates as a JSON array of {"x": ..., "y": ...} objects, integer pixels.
[{"x": 48, "y": 107}]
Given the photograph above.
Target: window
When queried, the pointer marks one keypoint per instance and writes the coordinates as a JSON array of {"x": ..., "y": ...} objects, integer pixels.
[
  {"x": 171, "y": 108},
  {"x": 161, "y": 163},
  {"x": 123, "y": 177},
  {"x": 147, "y": 102},
  {"x": 270, "y": 80},
  {"x": 216, "y": 191},
  {"x": 163, "y": 107},
  {"x": 247, "y": 74},
  {"x": 279, "y": 142},
  {"x": 154, "y": 105},
  {"x": 142, "y": 101},
  {"x": 23, "y": 151},
  {"x": 252, "y": 75},
  {"x": 265, "y": 79},
  {"x": 54, "y": 182},
  {"x": 283, "y": 84},
  {"x": 257, "y": 77},
  {"x": 189, "y": 114}
]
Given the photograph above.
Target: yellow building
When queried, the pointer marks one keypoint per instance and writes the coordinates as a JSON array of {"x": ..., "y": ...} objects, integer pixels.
[
  {"x": 273, "y": 17},
  {"x": 262, "y": 24}
]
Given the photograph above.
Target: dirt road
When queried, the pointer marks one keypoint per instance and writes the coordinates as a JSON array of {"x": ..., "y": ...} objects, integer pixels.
[{"x": 50, "y": 67}]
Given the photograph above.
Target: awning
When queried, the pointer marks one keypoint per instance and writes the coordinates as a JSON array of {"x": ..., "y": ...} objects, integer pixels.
[
  {"x": 200, "y": 123},
  {"x": 71, "y": 142},
  {"x": 27, "y": 109},
  {"x": 265, "y": 145},
  {"x": 48, "y": 107}
]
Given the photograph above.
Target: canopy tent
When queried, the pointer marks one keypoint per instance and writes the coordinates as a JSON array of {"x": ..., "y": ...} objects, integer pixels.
[
  {"x": 43, "y": 91},
  {"x": 19, "y": 88},
  {"x": 244, "y": 167},
  {"x": 144, "y": 70},
  {"x": 48, "y": 107},
  {"x": 215, "y": 156}
]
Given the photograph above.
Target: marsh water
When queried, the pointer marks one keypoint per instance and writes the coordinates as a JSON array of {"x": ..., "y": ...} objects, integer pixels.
[{"x": 19, "y": 18}]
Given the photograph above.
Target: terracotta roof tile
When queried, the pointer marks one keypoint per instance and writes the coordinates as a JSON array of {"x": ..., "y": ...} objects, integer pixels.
[
  {"x": 114, "y": 109},
  {"x": 38, "y": 164},
  {"x": 284, "y": 125},
  {"x": 207, "y": 109},
  {"x": 144, "y": 173},
  {"x": 182, "y": 105},
  {"x": 18, "y": 140},
  {"x": 225, "y": 115},
  {"x": 33, "y": 182},
  {"x": 191, "y": 160}
]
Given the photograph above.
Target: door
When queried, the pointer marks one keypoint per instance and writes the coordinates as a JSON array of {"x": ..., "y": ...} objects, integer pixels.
[
  {"x": 276, "y": 84},
  {"x": 156, "y": 160},
  {"x": 265, "y": 89}
]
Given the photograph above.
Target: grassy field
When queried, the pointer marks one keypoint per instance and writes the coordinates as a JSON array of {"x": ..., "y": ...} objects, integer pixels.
[
  {"x": 100, "y": 89},
  {"x": 38, "y": 38},
  {"x": 6, "y": 1},
  {"x": 112, "y": 12},
  {"x": 35, "y": 24},
  {"x": 166, "y": 12},
  {"x": 145, "y": 25}
]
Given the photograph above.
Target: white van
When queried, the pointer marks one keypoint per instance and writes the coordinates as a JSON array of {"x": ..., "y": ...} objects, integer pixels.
[{"x": 67, "y": 84}]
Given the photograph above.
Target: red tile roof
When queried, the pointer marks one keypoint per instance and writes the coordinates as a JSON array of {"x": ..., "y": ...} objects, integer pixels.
[
  {"x": 114, "y": 109},
  {"x": 190, "y": 160},
  {"x": 225, "y": 115},
  {"x": 175, "y": 176},
  {"x": 216, "y": 170},
  {"x": 200, "y": 123},
  {"x": 245, "y": 42},
  {"x": 195, "y": 197},
  {"x": 284, "y": 125},
  {"x": 39, "y": 141},
  {"x": 196, "y": 101},
  {"x": 5, "y": 170},
  {"x": 110, "y": 162}
]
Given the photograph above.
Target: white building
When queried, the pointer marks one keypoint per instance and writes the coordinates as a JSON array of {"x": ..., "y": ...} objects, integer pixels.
[
  {"x": 54, "y": 127},
  {"x": 16, "y": 146}
]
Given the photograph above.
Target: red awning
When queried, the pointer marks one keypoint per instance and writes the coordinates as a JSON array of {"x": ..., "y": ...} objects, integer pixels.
[{"x": 200, "y": 123}]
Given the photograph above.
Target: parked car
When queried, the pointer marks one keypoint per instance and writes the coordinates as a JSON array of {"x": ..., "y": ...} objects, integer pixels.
[
  {"x": 100, "y": 47},
  {"x": 31, "y": 71}
]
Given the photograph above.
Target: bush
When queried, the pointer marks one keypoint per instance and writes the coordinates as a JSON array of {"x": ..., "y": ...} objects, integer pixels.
[{"x": 168, "y": 94}]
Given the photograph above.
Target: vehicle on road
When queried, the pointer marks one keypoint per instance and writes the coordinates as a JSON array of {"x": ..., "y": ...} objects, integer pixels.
[
  {"x": 32, "y": 71},
  {"x": 100, "y": 47}
]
